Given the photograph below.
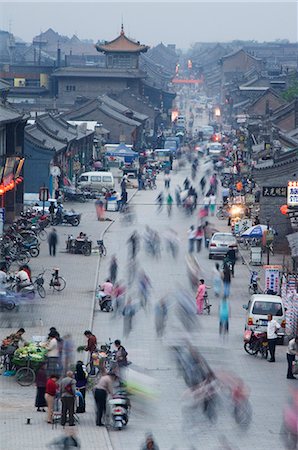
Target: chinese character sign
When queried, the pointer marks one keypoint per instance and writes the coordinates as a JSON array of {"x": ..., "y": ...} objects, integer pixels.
[
  {"x": 292, "y": 193},
  {"x": 272, "y": 278}
]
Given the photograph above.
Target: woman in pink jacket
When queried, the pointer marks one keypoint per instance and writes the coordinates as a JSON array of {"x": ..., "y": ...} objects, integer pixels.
[{"x": 200, "y": 296}]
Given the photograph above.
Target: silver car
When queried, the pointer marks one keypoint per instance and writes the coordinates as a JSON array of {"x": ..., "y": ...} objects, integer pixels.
[{"x": 221, "y": 243}]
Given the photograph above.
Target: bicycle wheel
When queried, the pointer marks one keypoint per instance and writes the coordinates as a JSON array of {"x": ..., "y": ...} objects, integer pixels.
[
  {"x": 25, "y": 376},
  {"x": 41, "y": 291},
  {"x": 43, "y": 235},
  {"x": 59, "y": 284},
  {"x": 102, "y": 250}
]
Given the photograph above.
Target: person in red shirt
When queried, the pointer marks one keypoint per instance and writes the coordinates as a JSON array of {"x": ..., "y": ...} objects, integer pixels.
[
  {"x": 91, "y": 347},
  {"x": 51, "y": 390},
  {"x": 91, "y": 342}
]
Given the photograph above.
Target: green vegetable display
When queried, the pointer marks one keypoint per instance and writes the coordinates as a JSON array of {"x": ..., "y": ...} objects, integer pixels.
[{"x": 32, "y": 351}]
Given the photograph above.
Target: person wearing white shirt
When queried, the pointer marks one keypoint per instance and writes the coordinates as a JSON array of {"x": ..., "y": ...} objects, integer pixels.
[
  {"x": 52, "y": 354},
  {"x": 272, "y": 328},
  {"x": 3, "y": 277},
  {"x": 191, "y": 238},
  {"x": 292, "y": 351}
]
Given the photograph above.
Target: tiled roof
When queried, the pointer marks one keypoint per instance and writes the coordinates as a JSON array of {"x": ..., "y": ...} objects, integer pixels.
[
  {"x": 4, "y": 85},
  {"x": 123, "y": 109},
  {"x": 97, "y": 72},
  {"x": 42, "y": 139},
  {"x": 8, "y": 114},
  {"x": 93, "y": 110},
  {"x": 122, "y": 44}
]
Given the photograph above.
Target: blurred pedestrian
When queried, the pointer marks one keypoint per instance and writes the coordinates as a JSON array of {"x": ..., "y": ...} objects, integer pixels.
[
  {"x": 119, "y": 292},
  {"x": 149, "y": 443},
  {"x": 226, "y": 279},
  {"x": 53, "y": 240},
  {"x": 212, "y": 204},
  {"x": 217, "y": 281},
  {"x": 81, "y": 382},
  {"x": 133, "y": 244},
  {"x": 292, "y": 351},
  {"x": 161, "y": 314},
  {"x": 67, "y": 349},
  {"x": 144, "y": 285},
  {"x": 224, "y": 314},
  {"x": 169, "y": 204},
  {"x": 167, "y": 180},
  {"x": 66, "y": 442},
  {"x": 128, "y": 313},
  {"x": 199, "y": 238},
  {"x": 200, "y": 296},
  {"x": 159, "y": 201},
  {"x": 206, "y": 203},
  {"x": 113, "y": 269},
  {"x": 41, "y": 382},
  {"x": 191, "y": 238}
]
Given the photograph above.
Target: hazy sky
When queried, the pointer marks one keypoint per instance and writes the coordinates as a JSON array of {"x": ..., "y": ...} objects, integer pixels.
[{"x": 151, "y": 23}]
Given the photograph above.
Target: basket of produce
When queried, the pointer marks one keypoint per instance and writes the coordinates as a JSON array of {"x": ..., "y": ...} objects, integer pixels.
[{"x": 31, "y": 352}]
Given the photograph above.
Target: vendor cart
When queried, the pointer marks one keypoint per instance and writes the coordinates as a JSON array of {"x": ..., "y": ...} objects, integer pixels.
[
  {"x": 78, "y": 245},
  {"x": 27, "y": 361}
]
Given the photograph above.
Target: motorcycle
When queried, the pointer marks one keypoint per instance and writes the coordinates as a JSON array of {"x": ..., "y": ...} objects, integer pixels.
[
  {"x": 255, "y": 343},
  {"x": 104, "y": 301},
  {"x": 67, "y": 218},
  {"x": 120, "y": 409}
]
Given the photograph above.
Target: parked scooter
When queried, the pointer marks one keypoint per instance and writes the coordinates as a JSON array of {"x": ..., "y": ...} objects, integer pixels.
[
  {"x": 67, "y": 218},
  {"x": 120, "y": 409},
  {"x": 255, "y": 343}
]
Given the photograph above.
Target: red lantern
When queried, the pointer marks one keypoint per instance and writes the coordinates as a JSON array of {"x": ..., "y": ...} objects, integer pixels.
[
  {"x": 2, "y": 189},
  {"x": 284, "y": 209}
]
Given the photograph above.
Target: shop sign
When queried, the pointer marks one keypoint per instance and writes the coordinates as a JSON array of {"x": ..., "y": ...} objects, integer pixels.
[
  {"x": 274, "y": 191},
  {"x": 292, "y": 197},
  {"x": 272, "y": 277}
]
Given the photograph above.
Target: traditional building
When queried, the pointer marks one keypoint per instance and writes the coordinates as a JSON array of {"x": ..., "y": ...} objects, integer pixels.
[
  {"x": 121, "y": 71},
  {"x": 12, "y": 125},
  {"x": 123, "y": 123},
  {"x": 266, "y": 104},
  {"x": 272, "y": 177},
  {"x": 52, "y": 142}
]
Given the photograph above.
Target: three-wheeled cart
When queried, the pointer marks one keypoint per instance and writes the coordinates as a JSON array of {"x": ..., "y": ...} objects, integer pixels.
[{"x": 76, "y": 246}]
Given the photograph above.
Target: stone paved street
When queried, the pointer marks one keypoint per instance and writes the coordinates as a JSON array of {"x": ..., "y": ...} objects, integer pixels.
[{"x": 72, "y": 311}]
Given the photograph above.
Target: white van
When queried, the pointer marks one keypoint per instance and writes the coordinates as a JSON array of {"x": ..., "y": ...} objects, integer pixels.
[
  {"x": 96, "y": 181},
  {"x": 258, "y": 308}
]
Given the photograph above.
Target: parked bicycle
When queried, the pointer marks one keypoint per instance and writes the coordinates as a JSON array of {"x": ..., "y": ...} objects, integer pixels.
[
  {"x": 101, "y": 248},
  {"x": 57, "y": 283}
]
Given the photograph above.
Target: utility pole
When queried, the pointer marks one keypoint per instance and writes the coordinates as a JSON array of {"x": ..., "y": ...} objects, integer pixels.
[{"x": 267, "y": 244}]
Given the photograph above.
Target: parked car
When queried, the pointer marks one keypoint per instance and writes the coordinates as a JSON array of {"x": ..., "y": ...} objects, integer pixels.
[
  {"x": 96, "y": 181},
  {"x": 221, "y": 243},
  {"x": 257, "y": 310}
]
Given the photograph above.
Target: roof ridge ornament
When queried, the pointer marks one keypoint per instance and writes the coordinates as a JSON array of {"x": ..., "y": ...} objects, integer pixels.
[{"x": 122, "y": 29}]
